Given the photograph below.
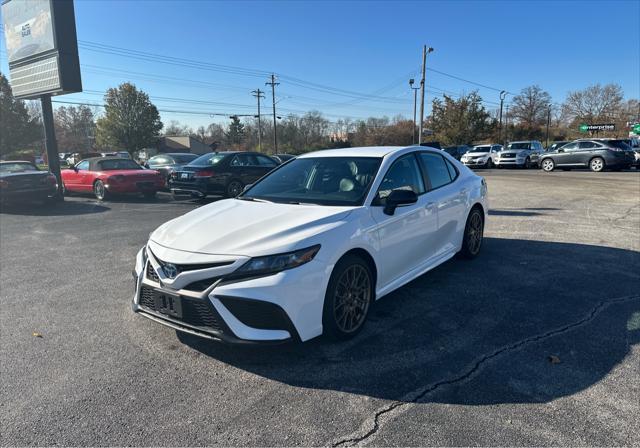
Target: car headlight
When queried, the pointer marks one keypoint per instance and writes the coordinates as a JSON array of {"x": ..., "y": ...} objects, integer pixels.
[{"x": 272, "y": 264}]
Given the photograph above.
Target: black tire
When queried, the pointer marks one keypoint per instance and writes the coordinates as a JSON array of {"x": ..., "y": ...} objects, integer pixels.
[
  {"x": 489, "y": 163},
  {"x": 548, "y": 165},
  {"x": 473, "y": 234},
  {"x": 234, "y": 188},
  {"x": 99, "y": 191},
  {"x": 596, "y": 164},
  {"x": 348, "y": 299},
  {"x": 150, "y": 194},
  {"x": 527, "y": 164}
]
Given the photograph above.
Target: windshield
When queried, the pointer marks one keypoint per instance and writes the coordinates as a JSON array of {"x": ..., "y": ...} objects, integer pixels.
[
  {"x": 16, "y": 167},
  {"x": 184, "y": 158},
  {"x": 207, "y": 160},
  {"x": 118, "y": 164},
  {"x": 318, "y": 180},
  {"x": 481, "y": 148},
  {"x": 521, "y": 145}
]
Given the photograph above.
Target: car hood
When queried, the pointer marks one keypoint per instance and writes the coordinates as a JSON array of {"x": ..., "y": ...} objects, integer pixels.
[
  {"x": 236, "y": 227},
  {"x": 477, "y": 154}
]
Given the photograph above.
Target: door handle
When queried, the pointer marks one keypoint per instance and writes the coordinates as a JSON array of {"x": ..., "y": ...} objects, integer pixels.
[{"x": 430, "y": 205}]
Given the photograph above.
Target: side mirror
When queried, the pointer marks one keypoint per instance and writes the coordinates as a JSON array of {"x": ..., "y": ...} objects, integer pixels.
[
  {"x": 246, "y": 187},
  {"x": 75, "y": 168},
  {"x": 398, "y": 198},
  {"x": 560, "y": 150}
]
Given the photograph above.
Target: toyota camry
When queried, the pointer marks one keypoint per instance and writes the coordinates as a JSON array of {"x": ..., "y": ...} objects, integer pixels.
[{"x": 308, "y": 248}]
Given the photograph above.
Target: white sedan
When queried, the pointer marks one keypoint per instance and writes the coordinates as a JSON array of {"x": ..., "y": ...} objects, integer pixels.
[{"x": 307, "y": 249}]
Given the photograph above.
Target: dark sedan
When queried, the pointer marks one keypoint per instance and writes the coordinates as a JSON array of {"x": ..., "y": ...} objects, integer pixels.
[
  {"x": 595, "y": 154},
  {"x": 24, "y": 181},
  {"x": 457, "y": 151},
  {"x": 225, "y": 173},
  {"x": 170, "y": 162}
]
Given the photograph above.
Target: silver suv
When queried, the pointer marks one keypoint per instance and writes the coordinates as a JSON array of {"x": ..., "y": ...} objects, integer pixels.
[{"x": 524, "y": 154}]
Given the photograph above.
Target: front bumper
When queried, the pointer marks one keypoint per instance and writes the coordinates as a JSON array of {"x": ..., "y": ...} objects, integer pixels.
[
  {"x": 510, "y": 162},
  {"x": 475, "y": 163},
  {"x": 267, "y": 310}
]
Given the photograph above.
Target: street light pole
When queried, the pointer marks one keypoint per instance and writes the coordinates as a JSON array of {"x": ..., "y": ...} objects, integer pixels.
[
  {"x": 425, "y": 51},
  {"x": 503, "y": 94},
  {"x": 548, "y": 123},
  {"x": 415, "y": 102}
]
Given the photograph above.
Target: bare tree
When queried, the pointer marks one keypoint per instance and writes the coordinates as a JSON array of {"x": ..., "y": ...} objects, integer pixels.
[
  {"x": 593, "y": 104},
  {"x": 176, "y": 128},
  {"x": 530, "y": 108}
]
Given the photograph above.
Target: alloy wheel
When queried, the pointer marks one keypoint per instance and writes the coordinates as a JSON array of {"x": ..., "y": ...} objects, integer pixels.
[
  {"x": 352, "y": 298},
  {"x": 234, "y": 189},
  {"x": 597, "y": 164},
  {"x": 99, "y": 190},
  {"x": 474, "y": 233},
  {"x": 547, "y": 165}
]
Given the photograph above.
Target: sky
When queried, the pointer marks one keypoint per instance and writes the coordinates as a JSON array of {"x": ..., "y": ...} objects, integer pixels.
[{"x": 347, "y": 59}]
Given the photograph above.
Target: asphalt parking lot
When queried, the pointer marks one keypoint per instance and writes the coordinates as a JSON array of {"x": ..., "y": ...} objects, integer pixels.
[{"x": 536, "y": 342}]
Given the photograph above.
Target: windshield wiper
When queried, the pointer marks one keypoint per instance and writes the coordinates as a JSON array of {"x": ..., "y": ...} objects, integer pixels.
[
  {"x": 251, "y": 199},
  {"x": 301, "y": 203}
]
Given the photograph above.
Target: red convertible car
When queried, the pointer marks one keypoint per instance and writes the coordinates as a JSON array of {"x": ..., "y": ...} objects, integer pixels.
[{"x": 105, "y": 176}]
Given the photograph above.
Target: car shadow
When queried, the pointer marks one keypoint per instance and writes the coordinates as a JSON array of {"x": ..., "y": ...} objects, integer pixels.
[
  {"x": 65, "y": 208},
  {"x": 494, "y": 323},
  {"x": 494, "y": 212}
]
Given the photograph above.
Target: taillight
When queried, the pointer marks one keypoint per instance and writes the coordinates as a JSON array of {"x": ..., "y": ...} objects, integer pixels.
[{"x": 204, "y": 173}]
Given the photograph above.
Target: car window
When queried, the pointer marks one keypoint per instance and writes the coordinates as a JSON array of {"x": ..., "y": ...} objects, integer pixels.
[
  {"x": 184, "y": 158},
  {"x": 265, "y": 161},
  {"x": 520, "y": 145},
  {"x": 318, "y": 180},
  {"x": 83, "y": 166},
  {"x": 17, "y": 167},
  {"x": 570, "y": 147},
  {"x": 208, "y": 160},
  {"x": 404, "y": 174},
  {"x": 453, "y": 172},
  {"x": 243, "y": 160},
  {"x": 587, "y": 145},
  {"x": 436, "y": 169},
  {"x": 161, "y": 160},
  {"x": 118, "y": 164}
]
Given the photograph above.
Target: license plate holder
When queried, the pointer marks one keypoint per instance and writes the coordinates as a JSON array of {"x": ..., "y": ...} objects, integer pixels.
[
  {"x": 168, "y": 304},
  {"x": 184, "y": 175}
]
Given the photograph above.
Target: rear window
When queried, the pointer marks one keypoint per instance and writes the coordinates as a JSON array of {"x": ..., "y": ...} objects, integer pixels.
[
  {"x": 619, "y": 144},
  {"x": 122, "y": 164},
  {"x": 184, "y": 158},
  {"x": 208, "y": 160},
  {"x": 17, "y": 167}
]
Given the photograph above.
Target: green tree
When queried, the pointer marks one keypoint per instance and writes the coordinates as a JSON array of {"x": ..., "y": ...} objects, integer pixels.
[
  {"x": 75, "y": 128},
  {"x": 460, "y": 121},
  {"x": 235, "y": 133},
  {"x": 18, "y": 129},
  {"x": 130, "y": 121}
]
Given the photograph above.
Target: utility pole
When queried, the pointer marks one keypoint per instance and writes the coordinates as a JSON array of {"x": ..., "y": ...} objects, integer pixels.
[
  {"x": 503, "y": 94},
  {"x": 259, "y": 94},
  {"x": 273, "y": 85},
  {"x": 506, "y": 126},
  {"x": 548, "y": 123},
  {"x": 415, "y": 102},
  {"x": 425, "y": 51}
]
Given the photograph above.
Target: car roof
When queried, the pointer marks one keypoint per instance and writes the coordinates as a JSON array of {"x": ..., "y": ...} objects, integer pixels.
[
  {"x": 365, "y": 151},
  {"x": 16, "y": 161}
]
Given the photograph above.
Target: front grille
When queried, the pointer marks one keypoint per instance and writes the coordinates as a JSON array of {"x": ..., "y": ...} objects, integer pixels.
[
  {"x": 151, "y": 273},
  {"x": 508, "y": 156},
  {"x": 195, "y": 312},
  {"x": 201, "y": 285}
]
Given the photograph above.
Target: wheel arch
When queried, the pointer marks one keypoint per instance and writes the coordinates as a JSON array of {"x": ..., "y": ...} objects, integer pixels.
[{"x": 365, "y": 255}]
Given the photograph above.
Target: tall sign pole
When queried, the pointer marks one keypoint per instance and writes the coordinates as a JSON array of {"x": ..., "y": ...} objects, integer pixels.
[
  {"x": 42, "y": 50},
  {"x": 424, "y": 66},
  {"x": 503, "y": 94}
]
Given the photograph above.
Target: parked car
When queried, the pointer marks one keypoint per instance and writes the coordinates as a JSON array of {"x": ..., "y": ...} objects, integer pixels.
[
  {"x": 170, "y": 162},
  {"x": 634, "y": 143},
  {"x": 481, "y": 156},
  {"x": 225, "y": 173},
  {"x": 309, "y": 247},
  {"x": 432, "y": 144},
  {"x": 524, "y": 154},
  {"x": 284, "y": 157},
  {"x": 23, "y": 181},
  {"x": 556, "y": 145},
  {"x": 105, "y": 176},
  {"x": 121, "y": 154},
  {"x": 596, "y": 154},
  {"x": 457, "y": 151}
]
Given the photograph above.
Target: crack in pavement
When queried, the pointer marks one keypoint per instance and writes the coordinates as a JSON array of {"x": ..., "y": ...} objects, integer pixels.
[{"x": 417, "y": 395}]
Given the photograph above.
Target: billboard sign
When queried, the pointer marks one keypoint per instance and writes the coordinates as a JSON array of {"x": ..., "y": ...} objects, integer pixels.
[{"x": 42, "y": 47}]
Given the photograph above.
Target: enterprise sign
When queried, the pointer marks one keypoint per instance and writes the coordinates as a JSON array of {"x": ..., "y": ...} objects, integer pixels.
[{"x": 597, "y": 127}]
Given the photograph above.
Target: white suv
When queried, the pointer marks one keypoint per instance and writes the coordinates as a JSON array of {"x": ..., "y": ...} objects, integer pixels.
[
  {"x": 482, "y": 156},
  {"x": 524, "y": 154}
]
